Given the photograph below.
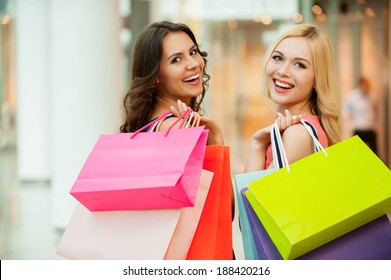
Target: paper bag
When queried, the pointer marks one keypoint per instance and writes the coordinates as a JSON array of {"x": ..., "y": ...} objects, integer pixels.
[
  {"x": 133, "y": 234},
  {"x": 241, "y": 182},
  {"x": 213, "y": 237},
  {"x": 150, "y": 171},
  {"x": 322, "y": 197},
  {"x": 371, "y": 241},
  {"x": 188, "y": 221}
]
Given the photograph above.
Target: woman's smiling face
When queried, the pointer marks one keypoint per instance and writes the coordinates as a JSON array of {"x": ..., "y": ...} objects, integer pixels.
[
  {"x": 181, "y": 68},
  {"x": 291, "y": 74}
]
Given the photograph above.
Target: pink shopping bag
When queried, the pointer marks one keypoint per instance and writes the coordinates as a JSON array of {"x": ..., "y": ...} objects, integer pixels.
[{"x": 145, "y": 171}]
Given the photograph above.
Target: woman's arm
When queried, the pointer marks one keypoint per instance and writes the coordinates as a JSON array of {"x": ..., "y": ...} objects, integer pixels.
[
  {"x": 257, "y": 150},
  {"x": 297, "y": 143},
  {"x": 215, "y": 136},
  {"x": 261, "y": 140}
]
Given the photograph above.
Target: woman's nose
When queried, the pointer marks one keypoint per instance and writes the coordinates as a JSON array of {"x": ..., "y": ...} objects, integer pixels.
[
  {"x": 284, "y": 70},
  {"x": 192, "y": 63}
]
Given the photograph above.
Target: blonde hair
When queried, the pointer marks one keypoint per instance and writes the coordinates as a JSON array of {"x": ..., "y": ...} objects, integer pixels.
[{"x": 324, "y": 99}]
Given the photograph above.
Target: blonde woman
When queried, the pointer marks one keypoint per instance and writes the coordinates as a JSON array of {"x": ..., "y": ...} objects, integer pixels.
[{"x": 300, "y": 78}]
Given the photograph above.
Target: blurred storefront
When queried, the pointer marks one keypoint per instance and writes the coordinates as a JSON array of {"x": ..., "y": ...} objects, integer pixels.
[
  {"x": 234, "y": 33},
  {"x": 7, "y": 77}
]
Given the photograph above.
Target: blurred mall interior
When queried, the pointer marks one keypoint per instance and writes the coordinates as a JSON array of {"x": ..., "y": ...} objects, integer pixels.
[{"x": 64, "y": 69}]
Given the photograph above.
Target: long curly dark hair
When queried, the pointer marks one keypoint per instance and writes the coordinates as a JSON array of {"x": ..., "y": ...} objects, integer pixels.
[{"x": 140, "y": 98}]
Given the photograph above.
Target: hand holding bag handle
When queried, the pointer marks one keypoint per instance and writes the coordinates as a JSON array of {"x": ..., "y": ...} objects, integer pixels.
[
  {"x": 323, "y": 198},
  {"x": 192, "y": 120},
  {"x": 151, "y": 125},
  {"x": 278, "y": 151}
]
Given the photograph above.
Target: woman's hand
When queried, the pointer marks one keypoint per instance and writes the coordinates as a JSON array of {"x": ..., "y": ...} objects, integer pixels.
[
  {"x": 260, "y": 140},
  {"x": 180, "y": 109},
  {"x": 215, "y": 136},
  {"x": 262, "y": 136},
  {"x": 286, "y": 121},
  {"x": 192, "y": 120}
]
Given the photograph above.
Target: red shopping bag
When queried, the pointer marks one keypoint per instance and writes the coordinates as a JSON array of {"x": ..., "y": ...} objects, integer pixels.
[
  {"x": 145, "y": 171},
  {"x": 213, "y": 237}
]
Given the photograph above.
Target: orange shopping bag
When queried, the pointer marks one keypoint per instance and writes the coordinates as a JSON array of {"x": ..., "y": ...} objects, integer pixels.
[
  {"x": 188, "y": 221},
  {"x": 213, "y": 237}
]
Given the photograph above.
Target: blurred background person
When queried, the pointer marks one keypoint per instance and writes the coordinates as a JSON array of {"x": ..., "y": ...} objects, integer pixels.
[{"x": 360, "y": 113}]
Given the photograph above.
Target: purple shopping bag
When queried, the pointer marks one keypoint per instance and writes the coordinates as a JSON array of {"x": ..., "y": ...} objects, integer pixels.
[{"x": 371, "y": 241}]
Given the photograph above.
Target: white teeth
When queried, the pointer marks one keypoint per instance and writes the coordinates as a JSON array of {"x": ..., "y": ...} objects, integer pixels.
[
  {"x": 192, "y": 78},
  {"x": 283, "y": 85}
]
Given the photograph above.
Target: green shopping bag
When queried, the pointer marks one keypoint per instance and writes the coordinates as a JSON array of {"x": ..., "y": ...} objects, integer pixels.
[{"x": 322, "y": 197}]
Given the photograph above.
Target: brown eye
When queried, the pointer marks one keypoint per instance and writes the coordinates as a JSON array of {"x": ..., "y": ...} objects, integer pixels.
[
  {"x": 175, "y": 60},
  {"x": 300, "y": 65},
  {"x": 277, "y": 57}
]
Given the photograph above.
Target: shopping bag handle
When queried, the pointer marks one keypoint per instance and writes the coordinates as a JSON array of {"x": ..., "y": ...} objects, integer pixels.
[
  {"x": 192, "y": 120},
  {"x": 153, "y": 123},
  {"x": 182, "y": 118},
  {"x": 278, "y": 151}
]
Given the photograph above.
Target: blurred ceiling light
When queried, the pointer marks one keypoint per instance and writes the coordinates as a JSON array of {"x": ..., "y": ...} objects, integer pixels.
[
  {"x": 257, "y": 18},
  {"x": 125, "y": 8},
  {"x": 232, "y": 23},
  {"x": 321, "y": 17},
  {"x": 370, "y": 12},
  {"x": 297, "y": 17},
  {"x": 5, "y": 19},
  {"x": 266, "y": 19},
  {"x": 317, "y": 10}
]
